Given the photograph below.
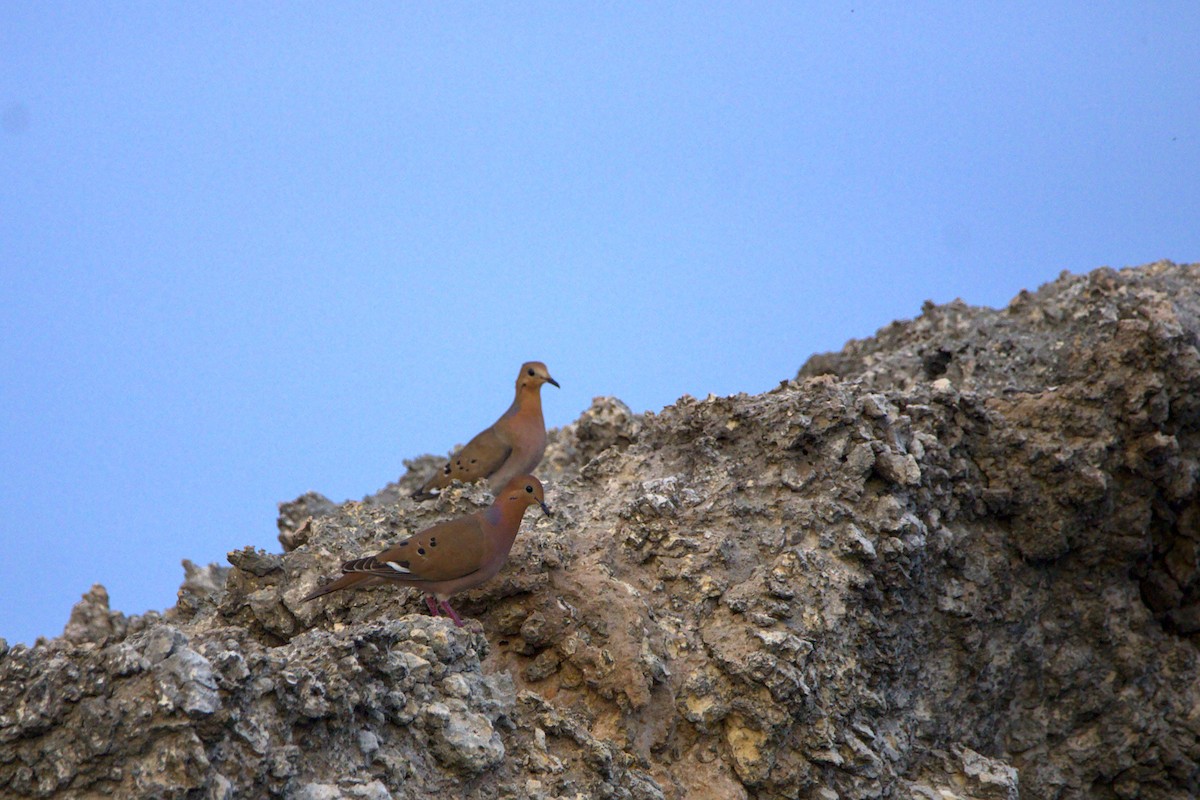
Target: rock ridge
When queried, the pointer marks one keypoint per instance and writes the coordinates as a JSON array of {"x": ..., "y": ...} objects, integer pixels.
[{"x": 955, "y": 560}]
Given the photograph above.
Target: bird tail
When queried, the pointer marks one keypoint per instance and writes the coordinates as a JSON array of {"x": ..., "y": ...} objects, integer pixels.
[
  {"x": 438, "y": 481},
  {"x": 344, "y": 582},
  {"x": 432, "y": 488}
]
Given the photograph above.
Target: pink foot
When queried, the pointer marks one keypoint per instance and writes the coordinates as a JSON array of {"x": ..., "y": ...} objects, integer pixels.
[
  {"x": 445, "y": 606},
  {"x": 433, "y": 609}
]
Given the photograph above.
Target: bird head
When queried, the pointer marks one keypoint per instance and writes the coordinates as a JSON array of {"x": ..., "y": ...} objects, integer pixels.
[
  {"x": 533, "y": 374},
  {"x": 524, "y": 491}
]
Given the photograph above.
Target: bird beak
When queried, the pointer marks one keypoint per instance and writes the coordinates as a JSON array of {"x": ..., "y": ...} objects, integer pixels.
[
  {"x": 551, "y": 380},
  {"x": 545, "y": 508}
]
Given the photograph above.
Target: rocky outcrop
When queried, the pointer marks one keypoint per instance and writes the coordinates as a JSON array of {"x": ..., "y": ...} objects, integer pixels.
[{"x": 954, "y": 560}]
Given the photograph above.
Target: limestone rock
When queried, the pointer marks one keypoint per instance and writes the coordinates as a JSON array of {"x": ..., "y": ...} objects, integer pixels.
[{"x": 958, "y": 560}]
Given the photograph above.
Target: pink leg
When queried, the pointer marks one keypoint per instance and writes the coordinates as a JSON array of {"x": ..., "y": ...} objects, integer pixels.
[
  {"x": 445, "y": 606},
  {"x": 433, "y": 609}
]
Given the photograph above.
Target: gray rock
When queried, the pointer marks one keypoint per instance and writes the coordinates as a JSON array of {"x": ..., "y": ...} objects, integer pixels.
[
  {"x": 463, "y": 739},
  {"x": 959, "y": 559},
  {"x": 92, "y": 621}
]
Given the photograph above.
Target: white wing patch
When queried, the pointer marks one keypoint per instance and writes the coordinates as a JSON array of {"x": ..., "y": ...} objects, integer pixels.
[{"x": 397, "y": 567}]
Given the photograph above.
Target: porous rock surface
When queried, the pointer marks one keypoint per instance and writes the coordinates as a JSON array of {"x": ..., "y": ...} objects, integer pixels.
[{"x": 956, "y": 560}]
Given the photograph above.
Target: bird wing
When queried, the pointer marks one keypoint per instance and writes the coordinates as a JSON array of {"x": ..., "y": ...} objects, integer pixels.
[
  {"x": 444, "y": 552},
  {"x": 482, "y": 456}
]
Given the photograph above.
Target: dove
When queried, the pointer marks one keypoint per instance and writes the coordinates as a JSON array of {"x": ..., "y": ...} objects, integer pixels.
[
  {"x": 451, "y": 556},
  {"x": 512, "y": 446}
]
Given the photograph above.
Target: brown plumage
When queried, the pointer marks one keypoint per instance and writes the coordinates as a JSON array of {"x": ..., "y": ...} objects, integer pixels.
[
  {"x": 451, "y": 556},
  {"x": 512, "y": 446}
]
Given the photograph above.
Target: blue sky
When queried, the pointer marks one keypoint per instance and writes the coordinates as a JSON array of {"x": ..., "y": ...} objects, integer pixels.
[{"x": 248, "y": 250}]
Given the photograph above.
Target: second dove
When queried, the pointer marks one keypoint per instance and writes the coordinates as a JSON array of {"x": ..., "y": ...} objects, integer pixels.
[{"x": 512, "y": 446}]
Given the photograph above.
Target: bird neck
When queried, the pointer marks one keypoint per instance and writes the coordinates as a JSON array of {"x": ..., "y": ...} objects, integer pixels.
[
  {"x": 529, "y": 398},
  {"x": 506, "y": 516}
]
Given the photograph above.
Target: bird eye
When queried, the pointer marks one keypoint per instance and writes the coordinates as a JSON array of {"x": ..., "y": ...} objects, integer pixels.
[
  {"x": 531, "y": 372},
  {"x": 529, "y": 489}
]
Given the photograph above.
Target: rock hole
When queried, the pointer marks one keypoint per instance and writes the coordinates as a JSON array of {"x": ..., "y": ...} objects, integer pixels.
[{"x": 935, "y": 363}]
